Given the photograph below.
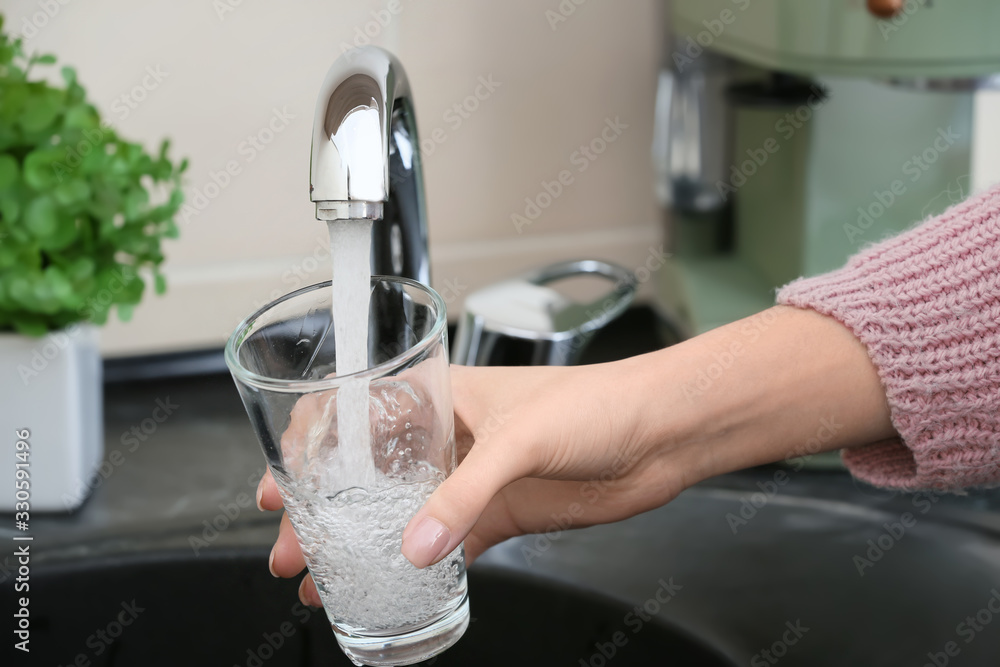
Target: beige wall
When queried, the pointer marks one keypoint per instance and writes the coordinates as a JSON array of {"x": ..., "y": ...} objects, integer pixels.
[{"x": 224, "y": 74}]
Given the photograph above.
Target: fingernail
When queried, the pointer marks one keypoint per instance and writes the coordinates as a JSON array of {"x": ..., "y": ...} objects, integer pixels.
[
  {"x": 270, "y": 564},
  {"x": 309, "y": 596},
  {"x": 427, "y": 542},
  {"x": 260, "y": 491}
]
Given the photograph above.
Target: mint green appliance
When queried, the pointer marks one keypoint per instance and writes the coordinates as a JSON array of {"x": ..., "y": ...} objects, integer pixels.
[{"x": 792, "y": 133}]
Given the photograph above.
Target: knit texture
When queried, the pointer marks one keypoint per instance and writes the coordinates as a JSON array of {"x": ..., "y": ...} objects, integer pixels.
[{"x": 926, "y": 304}]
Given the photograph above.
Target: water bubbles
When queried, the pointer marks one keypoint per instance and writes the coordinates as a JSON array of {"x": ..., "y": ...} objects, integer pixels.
[
  {"x": 350, "y": 496},
  {"x": 352, "y": 543}
]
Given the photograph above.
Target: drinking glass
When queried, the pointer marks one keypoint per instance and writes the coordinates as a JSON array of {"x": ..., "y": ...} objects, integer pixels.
[{"x": 349, "y": 510}]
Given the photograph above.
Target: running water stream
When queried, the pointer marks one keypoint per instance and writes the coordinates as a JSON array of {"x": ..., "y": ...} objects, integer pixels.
[{"x": 350, "y": 248}]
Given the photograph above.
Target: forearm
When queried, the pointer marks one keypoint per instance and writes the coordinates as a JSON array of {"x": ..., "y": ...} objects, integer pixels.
[{"x": 783, "y": 383}]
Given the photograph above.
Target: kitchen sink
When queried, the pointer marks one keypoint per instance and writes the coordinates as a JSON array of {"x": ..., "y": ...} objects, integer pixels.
[
  {"x": 863, "y": 577},
  {"x": 820, "y": 571},
  {"x": 224, "y": 608}
]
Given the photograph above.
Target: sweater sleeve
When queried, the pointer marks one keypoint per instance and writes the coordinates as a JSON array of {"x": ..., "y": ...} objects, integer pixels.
[{"x": 926, "y": 304}]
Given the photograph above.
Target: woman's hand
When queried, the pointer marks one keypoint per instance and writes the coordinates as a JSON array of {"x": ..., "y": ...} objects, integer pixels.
[
  {"x": 541, "y": 448},
  {"x": 551, "y": 448}
]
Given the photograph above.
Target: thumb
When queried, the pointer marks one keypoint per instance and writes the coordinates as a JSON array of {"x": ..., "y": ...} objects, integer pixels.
[{"x": 453, "y": 509}]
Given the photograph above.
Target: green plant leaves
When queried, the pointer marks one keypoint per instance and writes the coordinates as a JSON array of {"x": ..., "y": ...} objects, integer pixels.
[
  {"x": 80, "y": 269},
  {"x": 41, "y": 109},
  {"x": 63, "y": 235},
  {"x": 8, "y": 253},
  {"x": 40, "y": 170},
  {"x": 82, "y": 212},
  {"x": 134, "y": 203},
  {"x": 81, "y": 116},
  {"x": 72, "y": 191},
  {"x": 8, "y": 171},
  {"x": 10, "y": 209},
  {"x": 31, "y": 325},
  {"x": 40, "y": 217}
]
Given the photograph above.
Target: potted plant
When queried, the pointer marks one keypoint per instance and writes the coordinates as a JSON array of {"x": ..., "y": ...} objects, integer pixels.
[{"x": 82, "y": 216}]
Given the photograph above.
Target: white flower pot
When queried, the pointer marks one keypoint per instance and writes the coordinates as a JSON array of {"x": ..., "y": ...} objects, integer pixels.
[{"x": 52, "y": 388}]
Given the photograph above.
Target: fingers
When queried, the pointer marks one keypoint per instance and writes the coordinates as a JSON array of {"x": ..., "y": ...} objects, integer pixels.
[
  {"x": 268, "y": 497},
  {"x": 286, "y": 558},
  {"x": 453, "y": 509},
  {"x": 308, "y": 594}
]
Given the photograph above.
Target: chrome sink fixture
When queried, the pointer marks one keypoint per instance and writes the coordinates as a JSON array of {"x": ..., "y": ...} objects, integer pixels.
[
  {"x": 365, "y": 159},
  {"x": 524, "y": 321}
]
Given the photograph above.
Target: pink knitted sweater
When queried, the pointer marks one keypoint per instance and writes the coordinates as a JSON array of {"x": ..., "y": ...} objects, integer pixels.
[{"x": 926, "y": 304}]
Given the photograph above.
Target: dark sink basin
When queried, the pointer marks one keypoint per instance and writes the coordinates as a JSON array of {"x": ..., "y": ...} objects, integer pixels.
[{"x": 223, "y": 609}]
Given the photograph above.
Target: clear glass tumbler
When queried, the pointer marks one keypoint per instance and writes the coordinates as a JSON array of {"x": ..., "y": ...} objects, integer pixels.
[{"x": 349, "y": 499}]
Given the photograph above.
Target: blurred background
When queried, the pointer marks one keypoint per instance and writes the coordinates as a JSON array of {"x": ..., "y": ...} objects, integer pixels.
[
  {"x": 506, "y": 94},
  {"x": 227, "y": 73}
]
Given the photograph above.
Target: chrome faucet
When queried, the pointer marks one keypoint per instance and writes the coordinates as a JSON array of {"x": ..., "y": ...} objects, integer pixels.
[{"x": 365, "y": 161}]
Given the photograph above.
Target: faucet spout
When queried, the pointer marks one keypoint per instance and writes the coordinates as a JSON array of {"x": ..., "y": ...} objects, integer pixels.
[{"x": 365, "y": 159}]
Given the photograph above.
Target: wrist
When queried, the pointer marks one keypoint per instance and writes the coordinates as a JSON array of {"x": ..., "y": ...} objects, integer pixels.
[{"x": 780, "y": 384}]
